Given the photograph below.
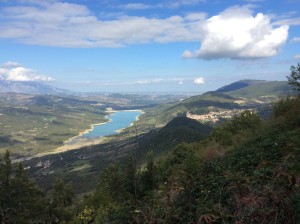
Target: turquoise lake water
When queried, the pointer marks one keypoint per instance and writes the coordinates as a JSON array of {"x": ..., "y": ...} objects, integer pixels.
[{"x": 118, "y": 121}]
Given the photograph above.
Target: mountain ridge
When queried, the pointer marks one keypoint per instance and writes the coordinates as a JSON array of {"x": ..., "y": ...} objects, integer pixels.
[{"x": 30, "y": 87}]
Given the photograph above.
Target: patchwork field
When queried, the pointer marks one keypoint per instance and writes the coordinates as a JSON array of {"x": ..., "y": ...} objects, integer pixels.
[{"x": 37, "y": 124}]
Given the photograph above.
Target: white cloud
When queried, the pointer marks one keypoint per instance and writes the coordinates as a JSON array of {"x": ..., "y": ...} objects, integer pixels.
[
  {"x": 73, "y": 25},
  {"x": 13, "y": 71},
  {"x": 297, "y": 56},
  {"x": 295, "y": 40},
  {"x": 142, "y": 82},
  {"x": 11, "y": 64},
  {"x": 136, "y": 6},
  {"x": 179, "y": 3},
  {"x": 199, "y": 81},
  {"x": 235, "y": 33},
  {"x": 153, "y": 81},
  {"x": 173, "y": 4},
  {"x": 291, "y": 22},
  {"x": 187, "y": 54}
]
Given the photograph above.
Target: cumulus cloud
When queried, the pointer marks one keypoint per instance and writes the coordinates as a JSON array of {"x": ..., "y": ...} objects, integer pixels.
[
  {"x": 235, "y": 33},
  {"x": 199, "y": 81},
  {"x": 13, "y": 71},
  {"x": 297, "y": 56}
]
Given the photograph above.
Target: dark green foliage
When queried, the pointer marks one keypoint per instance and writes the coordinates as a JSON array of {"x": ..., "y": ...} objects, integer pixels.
[
  {"x": 60, "y": 207},
  {"x": 294, "y": 77},
  {"x": 148, "y": 177},
  {"x": 246, "y": 122},
  {"x": 179, "y": 130},
  {"x": 130, "y": 175},
  {"x": 21, "y": 201}
]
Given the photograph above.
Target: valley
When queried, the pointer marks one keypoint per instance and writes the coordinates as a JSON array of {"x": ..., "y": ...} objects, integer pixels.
[
  {"x": 165, "y": 154},
  {"x": 41, "y": 129},
  {"x": 35, "y": 125}
]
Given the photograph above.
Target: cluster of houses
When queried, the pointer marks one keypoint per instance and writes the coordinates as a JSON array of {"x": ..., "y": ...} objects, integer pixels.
[{"x": 215, "y": 115}]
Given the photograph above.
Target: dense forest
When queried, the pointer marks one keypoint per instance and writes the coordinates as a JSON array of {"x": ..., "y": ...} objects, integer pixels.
[{"x": 246, "y": 171}]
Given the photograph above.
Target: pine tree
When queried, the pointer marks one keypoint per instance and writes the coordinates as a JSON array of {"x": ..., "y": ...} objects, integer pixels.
[
  {"x": 130, "y": 176},
  {"x": 5, "y": 190},
  {"x": 61, "y": 202}
]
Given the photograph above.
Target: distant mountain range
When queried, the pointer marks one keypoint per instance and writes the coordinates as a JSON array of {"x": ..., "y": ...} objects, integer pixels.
[
  {"x": 30, "y": 88},
  {"x": 242, "y": 88}
]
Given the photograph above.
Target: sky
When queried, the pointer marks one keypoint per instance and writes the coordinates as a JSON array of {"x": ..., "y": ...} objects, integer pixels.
[{"x": 147, "y": 46}]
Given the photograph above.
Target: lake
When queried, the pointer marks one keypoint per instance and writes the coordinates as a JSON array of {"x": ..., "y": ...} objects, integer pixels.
[{"x": 118, "y": 120}]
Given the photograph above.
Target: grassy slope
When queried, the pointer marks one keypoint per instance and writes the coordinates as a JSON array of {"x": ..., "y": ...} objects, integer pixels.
[
  {"x": 162, "y": 114},
  {"x": 272, "y": 88}
]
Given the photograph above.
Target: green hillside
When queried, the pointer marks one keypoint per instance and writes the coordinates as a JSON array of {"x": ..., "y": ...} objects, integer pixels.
[
  {"x": 162, "y": 114},
  {"x": 179, "y": 130},
  {"x": 271, "y": 88},
  {"x": 244, "y": 94},
  {"x": 239, "y": 85}
]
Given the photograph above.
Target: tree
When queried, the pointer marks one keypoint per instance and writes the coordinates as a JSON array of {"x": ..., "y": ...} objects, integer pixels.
[
  {"x": 148, "y": 177},
  {"x": 27, "y": 199},
  {"x": 294, "y": 77},
  {"x": 21, "y": 201},
  {"x": 5, "y": 190},
  {"x": 130, "y": 175},
  {"x": 61, "y": 202}
]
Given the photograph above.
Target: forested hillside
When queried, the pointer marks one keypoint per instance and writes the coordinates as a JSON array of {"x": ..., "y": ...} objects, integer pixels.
[{"x": 246, "y": 171}]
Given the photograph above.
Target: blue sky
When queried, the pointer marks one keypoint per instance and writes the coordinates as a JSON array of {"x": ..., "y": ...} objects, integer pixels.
[{"x": 147, "y": 46}]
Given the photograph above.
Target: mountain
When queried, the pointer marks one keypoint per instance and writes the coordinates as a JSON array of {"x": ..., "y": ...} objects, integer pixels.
[
  {"x": 200, "y": 104},
  {"x": 261, "y": 89},
  {"x": 240, "y": 85},
  {"x": 237, "y": 96},
  {"x": 30, "y": 88},
  {"x": 256, "y": 89},
  {"x": 179, "y": 130}
]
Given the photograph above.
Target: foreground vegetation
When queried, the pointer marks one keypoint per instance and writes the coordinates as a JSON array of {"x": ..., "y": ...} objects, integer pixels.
[{"x": 246, "y": 171}]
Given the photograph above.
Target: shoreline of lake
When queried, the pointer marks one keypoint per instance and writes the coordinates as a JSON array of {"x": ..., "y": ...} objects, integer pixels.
[{"x": 80, "y": 141}]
